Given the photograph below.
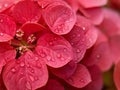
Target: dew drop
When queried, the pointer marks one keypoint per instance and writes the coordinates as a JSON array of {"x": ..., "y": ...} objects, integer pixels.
[
  {"x": 78, "y": 50},
  {"x": 5, "y": 5},
  {"x": 28, "y": 85},
  {"x": 36, "y": 58},
  {"x": 36, "y": 78},
  {"x": 22, "y": 64},
  {"x": 0, "y": 7},
  {"x": 42, "y": 54},
  {"x": 58, "y": 55},
  {"x": 32, "y": 70},
  {"x": 39, "y": 64},
  {"x": 78, "y": 35},
  {"x": 62, "y": 59},
  {"x": 71, "y": 80},
  {"x": 98, "y": 56},
  {"x": 1, "y": 34},
  {"x": 31, "y": 78},
  {"x": 50, "y": 43},
  {"x": 83, "y": 28},
  {"x": 13, "y": 70},
  {"x": 1, "y": 20},
  {"x": 48, "y": 58},
  {"x": 64, "y": 49},
  {"x": 82, "y": 81}
]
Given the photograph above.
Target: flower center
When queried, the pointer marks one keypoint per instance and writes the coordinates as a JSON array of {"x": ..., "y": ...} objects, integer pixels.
[{"x": 23, "y": 43}]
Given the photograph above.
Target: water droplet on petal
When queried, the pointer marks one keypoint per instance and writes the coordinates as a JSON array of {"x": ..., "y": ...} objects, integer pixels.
[
  {"x": 98, "y": 56},
  {"x": 5, "y": 5},
  {"x": 22, "y": 64},
  {"x": 48, "y": 58},
  {"x": 0, "y": 7},
  {"x": 28, "y": 85},
  {"x": 50, "y": 43},
  {"x": 58, "y": 55},
  {"x": 32, "y": 71},
  {"x": 42, "y": 55},
  {"x": 1, "y": 20},
  {"x": 83, "y": 28},
  {"x": 1, "y": 34},
  {"x": 82, "y": 81},
  {"x": 62, "y": 59},
  {"x": 71, "y": 80},
  {"x": 36, "y": 58},
  {"x": 36, "y": 78},
  {"x": 13, "y": 70},
  {"x": 31, "y": 78},
  {"x": 38, "y": 64},
  {"x": 64, "y": 49},
  {"x": 78, "y": 50}
]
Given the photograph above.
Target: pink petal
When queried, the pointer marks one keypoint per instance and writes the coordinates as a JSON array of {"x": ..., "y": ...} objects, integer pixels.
[
  {"x": 110, "y": 25},
  {"x": 117, "y": 75},
  {"x": 74, "y": 4},
  {"x": 93, "y": 54},
  {"x": 32, "y": 28},
  {"x": 29, "y": 72},
  {"x": 104, "y": 56},
  {"x": 59, "y": 17},
  {"x": 52, "y": 85},
  {"x": 2, "y": 86},
  {"x": 26, "y": 11},
  {"x": 55, "y": 50},
  {"x": 94, "y": 14},
  {"x": 6, "y": 54},
  {"x": 78, "y": 41},
  {"x": 115, "y": 46},
  {"x": 7, "y": 28},
  {"x": 91, "y": 37},
  {"x": 80, "y": 78},
  {"x": 92, "y": 3},
  {"x": 97, "y": 80},
  {"x": 5, "y": 4},
  {"x": 65, "y": 71}
]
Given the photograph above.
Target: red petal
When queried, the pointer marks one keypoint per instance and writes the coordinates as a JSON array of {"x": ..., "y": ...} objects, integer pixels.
[
  {"x": 117, "y": 75},
  {"x": 6, "y": 54},
  {"x": 65, "y": 71},
  {"x": 2, "y": 86},
  {"x": 77, "y": 39},
  {"x": 110, "y": 25},
  {"x": 7, "y": 28},
  {"x": 59, "y": 17},
  {"x": 32, "y": 28},
  {"x": 52, "y": 85},
  {"x": 97, "y": 82},
  {"x": 5, "y": 4},
  {"x": 80, "y": 78},
  {"x": 92, "y": 3},
  {"x": 26, "y": 11},
  {"x": 115, "y": 46},
  {"x": 91, "y": 37},
  {"x": 29, "y": 72},
  {"x": 94, "y": 14},
  {"x": 55, "y": 50}
]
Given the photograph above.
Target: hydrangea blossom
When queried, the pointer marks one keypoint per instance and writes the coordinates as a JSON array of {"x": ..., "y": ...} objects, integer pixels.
[{"x": 57, "y": 44}]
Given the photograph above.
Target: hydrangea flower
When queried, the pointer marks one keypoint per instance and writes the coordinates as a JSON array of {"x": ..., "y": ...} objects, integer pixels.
[{"x": 57, "y": 44}]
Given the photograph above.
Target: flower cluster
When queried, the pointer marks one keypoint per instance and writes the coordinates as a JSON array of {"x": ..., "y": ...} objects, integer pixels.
[{"x": 58, "y": 44}]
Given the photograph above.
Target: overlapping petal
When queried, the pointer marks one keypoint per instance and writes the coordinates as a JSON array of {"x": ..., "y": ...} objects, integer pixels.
[
  {"x": 93, "y": 3},
  {"x": 6, "y": 54},
  {"x": 60, "y": 17},
  {"x": 55, "y": 50},
  {"x": 7, "y": 28},
  {"x": 28, "y": 72},
  {"x": 26, "y": 11},
  {"x": 80, "y": 78}
]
